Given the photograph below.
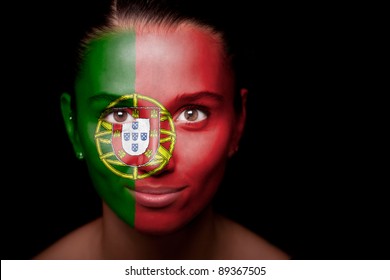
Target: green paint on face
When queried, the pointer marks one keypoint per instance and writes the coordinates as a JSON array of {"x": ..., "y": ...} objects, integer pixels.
[{"x": 107, "y": 72}]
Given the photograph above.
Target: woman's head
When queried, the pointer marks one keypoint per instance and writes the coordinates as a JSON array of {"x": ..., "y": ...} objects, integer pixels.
[{"x": 155, "y": 113}]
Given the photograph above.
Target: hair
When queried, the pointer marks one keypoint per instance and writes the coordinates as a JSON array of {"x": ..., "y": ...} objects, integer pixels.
[{"x": 115, "y": 15}]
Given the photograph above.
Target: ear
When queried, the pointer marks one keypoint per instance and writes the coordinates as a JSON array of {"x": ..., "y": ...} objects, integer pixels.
[
  {"x": 69, "y": 118},
  {"x": 240, "y": 124}
]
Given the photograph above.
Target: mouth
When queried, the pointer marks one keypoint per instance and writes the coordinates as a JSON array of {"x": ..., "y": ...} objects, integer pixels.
[{"x": 156, "y": 197}]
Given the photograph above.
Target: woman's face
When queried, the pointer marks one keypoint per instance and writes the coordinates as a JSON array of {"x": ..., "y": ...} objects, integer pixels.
[{"x": 159, "y": 185}]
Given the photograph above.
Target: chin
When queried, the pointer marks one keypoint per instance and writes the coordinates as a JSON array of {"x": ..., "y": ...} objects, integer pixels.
[
  {"x": 158, "y": 231},
  {"x": 160, "y": 224}
]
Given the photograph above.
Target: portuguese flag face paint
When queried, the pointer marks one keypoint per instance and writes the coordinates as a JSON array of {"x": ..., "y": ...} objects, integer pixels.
[
  {"x": 156, "y": 123},
  {"x": 107, "y": 73}
]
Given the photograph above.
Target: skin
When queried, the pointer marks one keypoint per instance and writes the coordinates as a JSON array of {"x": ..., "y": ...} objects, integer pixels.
[{"x": 185, "y": 70}]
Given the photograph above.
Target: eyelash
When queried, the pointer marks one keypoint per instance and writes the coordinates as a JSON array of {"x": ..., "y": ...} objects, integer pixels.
[{"x": 106, "y": 114}]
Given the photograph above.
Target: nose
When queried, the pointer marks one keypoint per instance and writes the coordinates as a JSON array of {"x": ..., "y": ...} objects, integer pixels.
[{"x": 158, "y": 165}]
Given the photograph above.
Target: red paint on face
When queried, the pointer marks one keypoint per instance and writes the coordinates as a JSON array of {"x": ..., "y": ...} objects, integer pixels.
[{"x": 180, "y": 68}]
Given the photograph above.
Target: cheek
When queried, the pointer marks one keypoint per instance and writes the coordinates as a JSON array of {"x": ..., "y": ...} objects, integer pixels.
[
  {"x": 86, "y": 131},
  {"x": 204, "y": 149},
  {"x": 201, "y": 159},
  {"x": 200, "y": 156}
]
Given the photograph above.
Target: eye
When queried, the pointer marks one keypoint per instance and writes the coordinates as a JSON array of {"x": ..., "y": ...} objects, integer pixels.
[
  {"x": 192, "y": 114},
  {"x": 118, "y": 115}
]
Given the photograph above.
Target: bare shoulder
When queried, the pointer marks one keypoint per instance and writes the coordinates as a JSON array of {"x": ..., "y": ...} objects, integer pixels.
[
  {"x": 238, "y": 242},
  {"x": 81, "y": 243}
]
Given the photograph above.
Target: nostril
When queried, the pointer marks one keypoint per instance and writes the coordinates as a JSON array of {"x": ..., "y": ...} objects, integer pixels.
[{"x": 157, "y": 168}]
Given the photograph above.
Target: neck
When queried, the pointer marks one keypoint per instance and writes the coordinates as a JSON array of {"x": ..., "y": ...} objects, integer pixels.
[{"x": 195, "y": 241}]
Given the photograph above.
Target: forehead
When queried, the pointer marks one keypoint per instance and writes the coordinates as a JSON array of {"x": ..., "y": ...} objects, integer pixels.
[{"x": 143, "y": 60}]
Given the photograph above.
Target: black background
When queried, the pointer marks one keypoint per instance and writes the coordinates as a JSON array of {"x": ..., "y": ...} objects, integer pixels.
[{"x": 306, "y": 176}]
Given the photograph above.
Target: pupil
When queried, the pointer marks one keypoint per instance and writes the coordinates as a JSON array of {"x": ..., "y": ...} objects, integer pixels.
[
  {"x": 120, "y": 116},
  {"x": 191, "y": 115}
]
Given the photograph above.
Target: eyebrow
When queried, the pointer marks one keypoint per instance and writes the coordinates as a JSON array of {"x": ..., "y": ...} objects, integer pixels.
[{"x": 195, "y": 96}]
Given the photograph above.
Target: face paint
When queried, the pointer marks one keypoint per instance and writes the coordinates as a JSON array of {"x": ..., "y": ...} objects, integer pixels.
[
  {"x": 175, "y": 72},
  {"x": 141, "y": 136},
  {"x": 107, "y": 72}
]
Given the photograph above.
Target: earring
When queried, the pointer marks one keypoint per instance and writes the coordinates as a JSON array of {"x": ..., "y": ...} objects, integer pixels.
[
  {"x": 70, "y": 116},
  {"x": 80, "y": 155}
]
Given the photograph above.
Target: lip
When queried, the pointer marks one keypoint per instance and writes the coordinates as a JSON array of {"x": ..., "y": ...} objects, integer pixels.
[{"x": 156, "y": 197}]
